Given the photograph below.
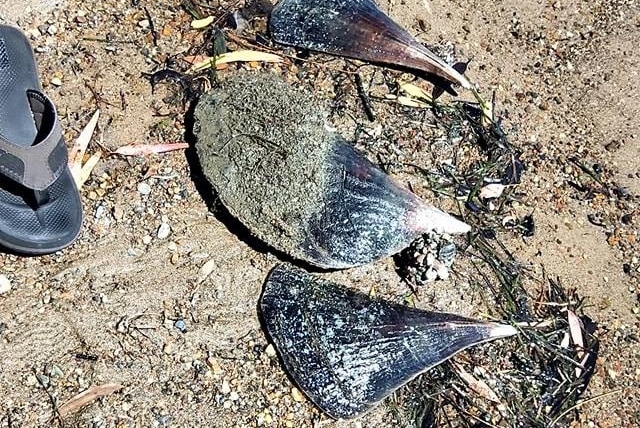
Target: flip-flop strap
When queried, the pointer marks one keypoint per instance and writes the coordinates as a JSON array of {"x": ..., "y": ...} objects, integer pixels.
[{"x": 39, "y": 165}]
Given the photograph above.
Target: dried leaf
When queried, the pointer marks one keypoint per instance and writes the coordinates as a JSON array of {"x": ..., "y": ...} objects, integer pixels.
[
  {"x": 206, "y": 270},
  {"x": 237, "y": 56},
  {"x": 583, "y": 363},
  {"x": 76, "y": 154},
  {"x": 415, "y": 92},
  {"x": 566, "y": 341},
  {"x": 87, "y": 397},
  {"x": 85, "y": 172},
  {"x": 199, "y": 24},
  {"x": 149, "y": 149},
  {"x": 575, "y": 328},
  {"x": 492, "y": 191},
  {"x": 478, "y": 386},
  {"x": 410, "y": 102},
  {"x": 487, "y": 113}
]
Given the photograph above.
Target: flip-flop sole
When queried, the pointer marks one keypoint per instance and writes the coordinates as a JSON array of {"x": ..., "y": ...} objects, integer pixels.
[{"x": 31, "y": 221}]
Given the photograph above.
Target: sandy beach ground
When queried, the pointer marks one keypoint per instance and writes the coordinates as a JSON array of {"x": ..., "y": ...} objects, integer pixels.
[{"x": 111, "y": 307}]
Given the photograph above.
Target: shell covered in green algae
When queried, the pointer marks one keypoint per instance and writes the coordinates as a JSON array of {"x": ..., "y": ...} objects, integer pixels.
[{"x": 302, "y": 189}]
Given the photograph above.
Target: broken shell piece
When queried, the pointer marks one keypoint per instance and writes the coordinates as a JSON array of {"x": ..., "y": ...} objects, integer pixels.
[
  {"x": 356, "y": 29},
  {"x": 346, "y": 351},
  {"x": 298, "y": 187}
]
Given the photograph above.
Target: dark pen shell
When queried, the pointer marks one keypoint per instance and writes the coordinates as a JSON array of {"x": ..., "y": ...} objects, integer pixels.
[
  {"x": 355, "y": 29},
  {"x": 346, "y": 351}
]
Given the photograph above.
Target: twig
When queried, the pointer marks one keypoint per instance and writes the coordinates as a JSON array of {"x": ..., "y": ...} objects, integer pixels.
[
  {"x": 96, "y": 96},
  {"x": 591, "y": 174},
  {"x": 152, "y": 27},
  {"x": 51, "y": 397},
  {"x": 364, "y": 97},
  {"x": 582, "y": 402}
]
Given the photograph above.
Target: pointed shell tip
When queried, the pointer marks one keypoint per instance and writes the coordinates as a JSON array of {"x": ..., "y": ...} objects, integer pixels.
[
  {"x": 466, "y": 84},
  {"x": 429, "y": 218},
  {"x": 502, "y": 330}
]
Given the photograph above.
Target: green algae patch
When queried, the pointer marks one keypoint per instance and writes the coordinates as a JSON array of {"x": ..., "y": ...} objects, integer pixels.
[{"x": 262, "y": 145}]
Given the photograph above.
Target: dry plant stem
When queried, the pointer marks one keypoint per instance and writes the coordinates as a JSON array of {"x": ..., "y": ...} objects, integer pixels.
[{"x": 583, "y": 402}]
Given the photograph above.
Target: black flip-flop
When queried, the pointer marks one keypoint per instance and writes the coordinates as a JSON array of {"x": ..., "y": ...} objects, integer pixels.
[{"x": 40, "y": 207}]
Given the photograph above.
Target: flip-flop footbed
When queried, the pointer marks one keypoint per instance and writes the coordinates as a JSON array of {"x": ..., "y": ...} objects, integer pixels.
[{"x": 40, "y": 207}]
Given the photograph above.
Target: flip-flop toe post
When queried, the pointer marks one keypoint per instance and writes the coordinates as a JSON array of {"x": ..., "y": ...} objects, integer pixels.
[{"x": 40, "y": 207}]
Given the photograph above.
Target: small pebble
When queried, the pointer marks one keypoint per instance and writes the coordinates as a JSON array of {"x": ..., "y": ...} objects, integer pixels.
[
  {"x": 169, "y": 348},
  {"x": 32, "y": 380},
  {"x": 56, "y": 81},
  {"x": 431, "y": 258},
  {"x": 206, "y": 270},
  {"x": 441, "y": 270},
  {"x": 163, "y": 420},
  {"x": 164, "y": 231},
  {"x": 118, "y": 213},
  {"x": 431, "y": 275},
  {"x": 100, "y": 210},
  {"x": 225, "y": 388},
  {"x": 144, "y": 188},
  {"x": 181, "y": 326},
  {"x": 56, "y": 371},
  {"x": 297, "y": 395},
  {"x": 214, "y": 365},
  {"x": 270, "y": 351},
  {"x": 34, "y": 33},
  {"x": 5, "y": 284},
  {"x": 43, "y": 380},
  {"x": 122, "y": 326}
]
